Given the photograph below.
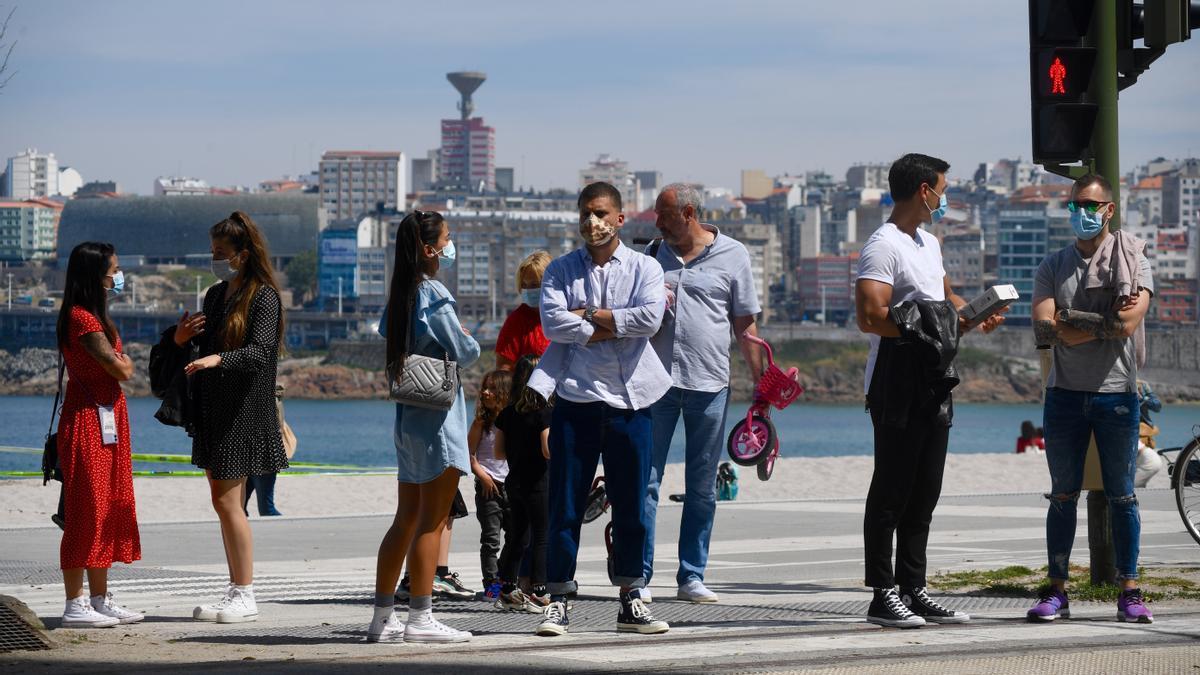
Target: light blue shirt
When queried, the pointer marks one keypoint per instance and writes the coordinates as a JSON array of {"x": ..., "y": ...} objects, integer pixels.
[
  {"x": 624, "y": 372},
  {"x": 430, "y": 441},
  {"x": 710, "y": 291}
]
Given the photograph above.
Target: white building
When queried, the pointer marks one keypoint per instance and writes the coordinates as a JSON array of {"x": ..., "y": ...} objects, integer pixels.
[
  {"x": 176, "y": 186},
  {"x": 355, "y": 182},
  {"x": 69, "y": 181},
  {"x": 608, "y": 169},
  {"x": 32, "y": 175},
  {"x": 868, "y": 176}
]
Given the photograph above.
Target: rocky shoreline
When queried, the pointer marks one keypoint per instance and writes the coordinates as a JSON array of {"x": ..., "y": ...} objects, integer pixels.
[{"x": 835, "y": 377}]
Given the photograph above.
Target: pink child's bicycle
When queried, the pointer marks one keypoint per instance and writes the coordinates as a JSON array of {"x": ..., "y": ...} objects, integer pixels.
[{"x": 753, "y": 441}]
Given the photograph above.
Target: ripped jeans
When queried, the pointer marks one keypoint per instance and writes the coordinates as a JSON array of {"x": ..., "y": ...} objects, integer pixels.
[{"x": 1070, "y": 419}]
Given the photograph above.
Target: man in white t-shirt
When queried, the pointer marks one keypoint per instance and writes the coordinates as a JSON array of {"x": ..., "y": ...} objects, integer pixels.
[{"x": 902, "y": 262}]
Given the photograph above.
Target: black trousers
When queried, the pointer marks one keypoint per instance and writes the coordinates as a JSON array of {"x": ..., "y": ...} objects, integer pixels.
[
  {"x": 495, "y": 518},
  {"x": 904, "y": 491},
  {"x": 528, "y": 504}
]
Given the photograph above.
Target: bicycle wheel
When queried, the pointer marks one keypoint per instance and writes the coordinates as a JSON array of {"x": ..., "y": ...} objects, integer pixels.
[
  {"x": 749, "y": 443},
  {"x": 1187, "y": 488}
]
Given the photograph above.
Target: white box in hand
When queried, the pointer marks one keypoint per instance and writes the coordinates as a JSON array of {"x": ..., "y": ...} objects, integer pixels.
[{"x": 993, "y": 300}]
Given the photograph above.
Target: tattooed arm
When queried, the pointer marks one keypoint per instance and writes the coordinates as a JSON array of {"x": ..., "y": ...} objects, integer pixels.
[
  {"x": 1048, "y": 332},
  {"x": 119, "y": 366}
]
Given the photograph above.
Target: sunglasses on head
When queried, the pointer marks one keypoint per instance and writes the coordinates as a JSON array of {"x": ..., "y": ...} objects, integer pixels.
[{"x": 1085, "y": 205}]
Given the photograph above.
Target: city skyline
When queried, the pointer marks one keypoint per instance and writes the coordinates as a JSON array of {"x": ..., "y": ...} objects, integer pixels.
[{"x": 251, "y": 92}]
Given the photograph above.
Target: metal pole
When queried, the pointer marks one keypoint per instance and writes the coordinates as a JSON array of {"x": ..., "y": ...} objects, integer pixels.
[
  {"x": 339, "y": 296},
  {"x": 197, "y": 292},
  {"x": 822, "y": 304},
  {"x": 1106, "y": 150},
  {"x": 10, "y": 276},
  {"x": 1106, "y": 136}
]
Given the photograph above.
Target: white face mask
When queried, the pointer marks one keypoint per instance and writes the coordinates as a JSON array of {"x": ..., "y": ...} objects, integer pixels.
[{"x": 223, "y": 270}]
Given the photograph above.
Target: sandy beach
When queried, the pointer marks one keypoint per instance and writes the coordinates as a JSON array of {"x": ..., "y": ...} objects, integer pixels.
[{"x": 26, "y": 502}]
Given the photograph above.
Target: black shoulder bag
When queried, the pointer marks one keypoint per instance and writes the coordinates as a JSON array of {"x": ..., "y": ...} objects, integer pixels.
[{"x": 50, "y": 467}]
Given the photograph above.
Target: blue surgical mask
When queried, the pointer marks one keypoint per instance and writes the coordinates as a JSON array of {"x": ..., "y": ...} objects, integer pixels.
[
  {"x": 936, "y": 214},
  {"x": 118, "y": 283},
  {"x": 1087, "y": 225},
  {"x": 446, "y": 255},
  {"x": 532, "y": 297}
]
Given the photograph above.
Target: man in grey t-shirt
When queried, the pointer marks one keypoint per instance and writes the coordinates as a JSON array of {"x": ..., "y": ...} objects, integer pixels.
[
  {"x": 711, "y": 289},
  {"x": 1092, "y": 390}
]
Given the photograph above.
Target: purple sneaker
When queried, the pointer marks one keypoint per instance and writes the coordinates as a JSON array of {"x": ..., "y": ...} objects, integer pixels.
[
  {"x": 1052, "y": 604},
  {"x": 1131, "y": 607}
]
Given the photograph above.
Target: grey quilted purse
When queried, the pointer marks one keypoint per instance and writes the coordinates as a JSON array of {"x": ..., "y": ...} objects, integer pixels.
[{"x": 426, "y": 381}]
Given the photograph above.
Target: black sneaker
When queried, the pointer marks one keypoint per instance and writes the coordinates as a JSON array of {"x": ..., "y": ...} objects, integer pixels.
[
  {"x": 449, "y": 586},
  {"x": 919, "y": 603},
  {"x": 887, "y": 610},
  {"x": 554, "y": 620},
  {"x": 635, "y": 617},
  {"x": 402, "y": 591}
]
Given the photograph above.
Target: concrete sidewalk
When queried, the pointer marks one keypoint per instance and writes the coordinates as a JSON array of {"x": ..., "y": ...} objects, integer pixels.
[{"x": 788, "y": 574}]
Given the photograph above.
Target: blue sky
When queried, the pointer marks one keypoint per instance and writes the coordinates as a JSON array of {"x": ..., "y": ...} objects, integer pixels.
[{"x": 239, "y": 92}]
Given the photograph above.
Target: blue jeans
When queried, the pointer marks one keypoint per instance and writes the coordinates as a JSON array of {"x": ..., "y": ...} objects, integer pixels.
[
  {"x": 704, "y": 429},
  {"x": 580, "y": 434},
  {"x": 1070, "y": 419}
]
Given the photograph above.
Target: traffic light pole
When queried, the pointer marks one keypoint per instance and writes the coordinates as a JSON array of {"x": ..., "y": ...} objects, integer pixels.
[
  {"x": 1105, "y": 138},
  {"x": 1106, "y": 162}
]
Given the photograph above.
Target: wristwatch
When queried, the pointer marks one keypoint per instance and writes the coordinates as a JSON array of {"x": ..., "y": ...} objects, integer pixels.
[{"x": 589, "y": 314}]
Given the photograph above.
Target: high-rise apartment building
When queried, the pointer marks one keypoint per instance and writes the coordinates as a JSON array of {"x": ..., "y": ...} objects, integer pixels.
[
  {"x": 355, "y": 182},
  {"x": 28, "y": 229},
  {"x": 468, "y": 155},
  {"x": 608, "y": 169},
  {"x": 31, "y": 175}
]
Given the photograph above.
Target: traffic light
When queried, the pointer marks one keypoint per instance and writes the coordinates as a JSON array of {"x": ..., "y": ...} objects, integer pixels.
[{"x": 1060, "y": 74}]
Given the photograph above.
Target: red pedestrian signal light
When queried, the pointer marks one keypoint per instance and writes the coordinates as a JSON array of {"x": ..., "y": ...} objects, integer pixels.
[{"x": 1058, "y": 75}]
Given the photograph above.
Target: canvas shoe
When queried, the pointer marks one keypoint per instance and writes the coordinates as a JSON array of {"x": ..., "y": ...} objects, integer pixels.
[
  {"x": 635, "y": 616},
  {"x": 554, "y": 620},
  {"x": 919, "y": 603},
  {"x": 1052, "y": 604},
  {"x": 694, "y": 591},
  {"x": 887, "y": 610},
  {"x": 428, "y": 629},
  {"x": 1131, "y": 607},
  {"x": 241, "y": 607},
  {"x": 79, "y": 613},
  {"x": 106, "y": 605},
  {"x": 209, "y": 612},
  {"x": 386, "y": 628}
]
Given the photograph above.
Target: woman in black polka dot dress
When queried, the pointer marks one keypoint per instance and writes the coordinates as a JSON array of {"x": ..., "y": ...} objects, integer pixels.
[{"x": 237, "y": 434}]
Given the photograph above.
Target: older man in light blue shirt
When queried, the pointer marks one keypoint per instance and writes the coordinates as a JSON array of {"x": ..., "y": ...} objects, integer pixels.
[
  {"x": 600, "y": 305},
  {"x": 711, "y": 290}
]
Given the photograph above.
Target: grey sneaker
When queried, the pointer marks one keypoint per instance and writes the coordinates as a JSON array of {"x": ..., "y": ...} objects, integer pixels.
[{"x": 694, "y": 591}]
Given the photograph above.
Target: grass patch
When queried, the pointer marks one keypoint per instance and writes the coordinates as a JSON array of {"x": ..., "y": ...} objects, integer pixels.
[
  {"x": 1174, "y": 583},
  {"x": 973, "y": 358}
]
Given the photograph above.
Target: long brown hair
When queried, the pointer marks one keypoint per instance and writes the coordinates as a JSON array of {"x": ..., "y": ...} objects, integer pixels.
[
  {"x": 499, "y": 382},
  {"x": 86, "y": 269},
  {"x": 523, "y": 398},
  {"x": 243, "y": 235},
  {"x": 418, "y": 230}
]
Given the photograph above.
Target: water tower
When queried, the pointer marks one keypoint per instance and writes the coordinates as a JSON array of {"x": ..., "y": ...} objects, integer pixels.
[{"x": 466, "y": 83}]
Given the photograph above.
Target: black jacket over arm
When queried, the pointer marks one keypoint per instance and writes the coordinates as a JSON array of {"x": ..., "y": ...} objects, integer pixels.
[
  {"x": 915, "y": 372},
  {"x": 170, "y": 385}
]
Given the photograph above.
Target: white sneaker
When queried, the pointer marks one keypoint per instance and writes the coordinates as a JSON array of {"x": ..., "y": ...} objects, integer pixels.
[
  {"x": 387, "y": 628},
  {"x": 432, "y": 630},
  {"x": 210, "y": 612},
  {"x": 644, "y": 594},
  {"x": 106, "y": 605},
  {"x": 78, "y": 613},
  {"x": 694, "y": 591},
  {"x": 241, "y": 607}
]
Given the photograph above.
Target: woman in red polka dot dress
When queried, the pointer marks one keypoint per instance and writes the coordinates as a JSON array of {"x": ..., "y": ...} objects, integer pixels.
[{"x": 93, "y": 441}]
